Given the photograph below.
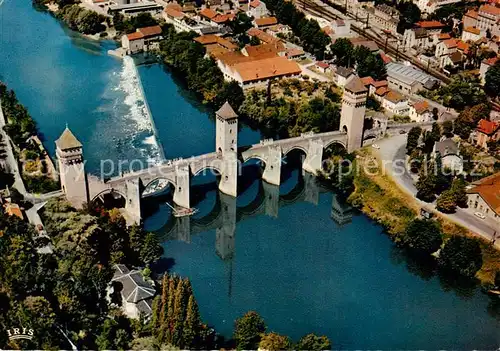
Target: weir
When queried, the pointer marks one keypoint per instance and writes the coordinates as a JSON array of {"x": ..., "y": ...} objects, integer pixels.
[{"x": 129, "y": 60}]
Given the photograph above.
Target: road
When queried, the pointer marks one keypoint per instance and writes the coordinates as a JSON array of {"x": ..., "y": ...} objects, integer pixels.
[
  {"x": 306, "y": 71},
  {"x": 393, "y": 153}
]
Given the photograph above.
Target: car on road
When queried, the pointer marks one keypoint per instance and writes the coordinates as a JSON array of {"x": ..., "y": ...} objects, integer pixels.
[
  {"x": 402, "y": 131},
  {"x": 375, "y": 146},
  {"x": 479, "y": 215}
]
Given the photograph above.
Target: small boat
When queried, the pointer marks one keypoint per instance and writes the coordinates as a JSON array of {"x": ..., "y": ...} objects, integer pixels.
[{"x": 182, "y": 212}]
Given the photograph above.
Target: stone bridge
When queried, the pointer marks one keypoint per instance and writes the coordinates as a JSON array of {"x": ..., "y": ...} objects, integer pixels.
[{"x": 226, "y": 161}]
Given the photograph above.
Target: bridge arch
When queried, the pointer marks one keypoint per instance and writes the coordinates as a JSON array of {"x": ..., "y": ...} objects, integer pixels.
[
  {"x": 295, "y": 147},
  {"x": 332, "y": 142},
  {"x": 151, "y": 187},
  {"x": 103, "y": 197},
  {"x": 203, "y": 168}
]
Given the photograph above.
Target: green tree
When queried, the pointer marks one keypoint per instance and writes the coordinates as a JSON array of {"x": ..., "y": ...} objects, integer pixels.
[
  {"x": 467, "y": 119},
  {"x": 410, "y": 14},
  {"x": 458, "y": 187},
  {"x": 446, "y": 202},
  {"x": 116, "y": 334},
  {"x": 248, "y": 330},
  {"x": 426, "y": 186},
  {"x": 448, "y": 128},
  {"x": 151, "y": 250},
  {"x": 313, "y": 342},
  {"x": 274, "y": 342},
  {"x": 412, "y": 139},
  {"x": 368, "y": 64},
  {"x": 342, "y": 49},
  {"x": 461, "y": 255},
  {"x": 423, "y": 236},
  {"x": 463, "y": 91},
  {"x": 192, "y": 324},
  {"x": 492, "y": 80}
]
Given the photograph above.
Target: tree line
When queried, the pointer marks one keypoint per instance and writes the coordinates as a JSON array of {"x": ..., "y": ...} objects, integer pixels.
[
  {"x": 82, "y": 20},
  {"x": 361, "y": 58}
]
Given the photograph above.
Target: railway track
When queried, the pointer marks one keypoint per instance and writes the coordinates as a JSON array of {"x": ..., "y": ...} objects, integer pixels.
[{"x": 310, "y": 6}]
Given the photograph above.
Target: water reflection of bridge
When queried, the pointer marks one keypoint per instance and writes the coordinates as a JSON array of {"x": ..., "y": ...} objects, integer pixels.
[{"x": 225, "y": 213}]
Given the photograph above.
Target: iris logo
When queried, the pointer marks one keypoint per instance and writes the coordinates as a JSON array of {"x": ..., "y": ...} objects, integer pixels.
[{"x": 20, "y": 333}]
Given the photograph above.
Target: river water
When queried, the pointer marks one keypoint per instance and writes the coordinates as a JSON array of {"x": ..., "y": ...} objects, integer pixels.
[{"x": 281, "y": 252}]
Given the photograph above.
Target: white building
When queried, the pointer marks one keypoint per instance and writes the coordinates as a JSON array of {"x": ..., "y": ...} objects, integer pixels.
[
  {"x": 144, "y": 39},
  {"x": 184, "y": 23},
  {"x": 488, "y": 17},
  {"x": 450, "y": 155},
  {"x": 420, "y": 111},
  {"x": 416, "y": 38},
  {"x": 471, "y": 33},
  {"x": 384, "y": 17},
  {"x": 429, "y": 6},
  {"x": 395, "y": 103},
  {"x": 485, "y": 65},
  {"x": 257, "y": 9},
  {"x": 408, "y": 79},
  {"x": 483, "y": 197},
  {"x": 132, "y": 9},
  {"x": 343, "y": 76}
]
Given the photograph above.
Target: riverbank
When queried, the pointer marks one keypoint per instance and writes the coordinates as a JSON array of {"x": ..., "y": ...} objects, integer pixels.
[{"x": 379, "y": 197}]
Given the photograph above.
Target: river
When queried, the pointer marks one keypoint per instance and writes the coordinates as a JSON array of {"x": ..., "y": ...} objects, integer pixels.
[{"x": 277, "y": 251}]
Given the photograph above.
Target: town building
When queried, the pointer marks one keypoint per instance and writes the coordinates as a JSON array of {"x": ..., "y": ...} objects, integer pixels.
[
  {"x": 429, "y": 6},
  {"x": 485, "y": 65},
  {"x": 13, "y": 210},
  {"x": 483, "y": 197},
  {"x": 265, "y": 22},
  {"x": 216, "y": 45},
  {"x": 257, "y": 9},
  {"x": 470, "y": 19},
  {"x": 372, "y": 85},
  {"x": 369, "y": 44},
  {"x": 408, "y": 79},
  {"x": 254, "y": 66},
  {"x": 136, "y": 293},
  {"x": 420, "y": 111},
  {"x": 416, "y": 38},
  {"x": 471, "y": 33},
  {"x": 433, "y": 27},
  {"x": 384, "y": 17},
  {"x": 395, "y": 103},
  {"x": 133, "y": 9},
  {"x": 343, "y": 75},
  {"x": 485, "y": 132},
  {"x": 323, "y": 67},
  {"x": 144, "y": 39},
  {"x": 488, "y": 17},
  {"x": 184, "y": 23},
  {"x": 450, "y": 155}
]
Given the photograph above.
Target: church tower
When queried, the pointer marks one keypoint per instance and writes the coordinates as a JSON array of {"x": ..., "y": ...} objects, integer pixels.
[
  {"x": 226, "y": 130},
  {"x": 71, "y": 168},
  {"x": 353, "y": 113}
]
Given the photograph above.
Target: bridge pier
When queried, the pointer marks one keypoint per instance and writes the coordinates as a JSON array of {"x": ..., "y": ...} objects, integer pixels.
[
  {"x": 272, "y": 172},
  {"x": 311, "y": 188},
  {"x": 225, "y": 235},
  {"x": 184, "y": 229},
  {"x": 314, "y": 158},
  {"x": 181, "y": 193},
  {"x": 229, "y": 174},
  {"x": 271, "y": 199},
  {"x": 133, "y": 201}
]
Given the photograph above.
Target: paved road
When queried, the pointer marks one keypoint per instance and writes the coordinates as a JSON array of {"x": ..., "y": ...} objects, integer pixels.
[
  {"x": 393, "y": 152},
  {"x": 306, "y": 71}
]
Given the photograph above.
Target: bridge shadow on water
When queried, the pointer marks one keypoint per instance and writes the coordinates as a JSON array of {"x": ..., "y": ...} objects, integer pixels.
[{"x": 220, "y": 212}]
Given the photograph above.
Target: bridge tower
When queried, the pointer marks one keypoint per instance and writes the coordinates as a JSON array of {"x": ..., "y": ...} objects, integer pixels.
[
  {"x": 72, "y": 174},
  {"x": 226, "y": 145},
  {"x": 353, "y": 113}
]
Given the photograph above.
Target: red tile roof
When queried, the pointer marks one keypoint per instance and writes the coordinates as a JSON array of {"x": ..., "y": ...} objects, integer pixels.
[
  {"x": 489, "y": 9},
  {"x": 490, "y": 61},
  {"x": 208, "y": 13},
  {"x": 322, "y": 64},
  {"x": 444, "y": 36},
  {"x": 381, "y": 91},
  {"x": 472, "y": 30},
  {"x": 367, "y": 80},
  {"x": 430, "y": 24},
  {"x": 266, "y": 68},
  {"x": 221, "y": 19},
  {"x": 254, "y": 3},
  {"x": 471, "y": 13},
  {"x": 487, "y": 127},
  {"x": 450, "y": 43},
  {"x": 489, "y": 189},
  {"x": 135, "y": 36},
  {"x": 421, "y": 106},
  {"x": 266, "y": 21},
  {"x": 385, "y": 58},
  {"x": 175, "y": 7},
  {"x": 174, "y": 13},
  {"x": 150, "y": 31}
]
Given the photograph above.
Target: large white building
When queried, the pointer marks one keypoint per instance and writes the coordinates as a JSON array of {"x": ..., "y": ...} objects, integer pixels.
[
  {"x": 483, "y": 197},
  {"x": 408, "y": 79},
  {"x": 144, "y": 39}
]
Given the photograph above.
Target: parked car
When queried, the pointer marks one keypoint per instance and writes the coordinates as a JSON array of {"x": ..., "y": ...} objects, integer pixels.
[
  {"x": 479, "y": 215},
  {"x": 375, "y": 146},
  {"x": 402, "y": 131}
]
